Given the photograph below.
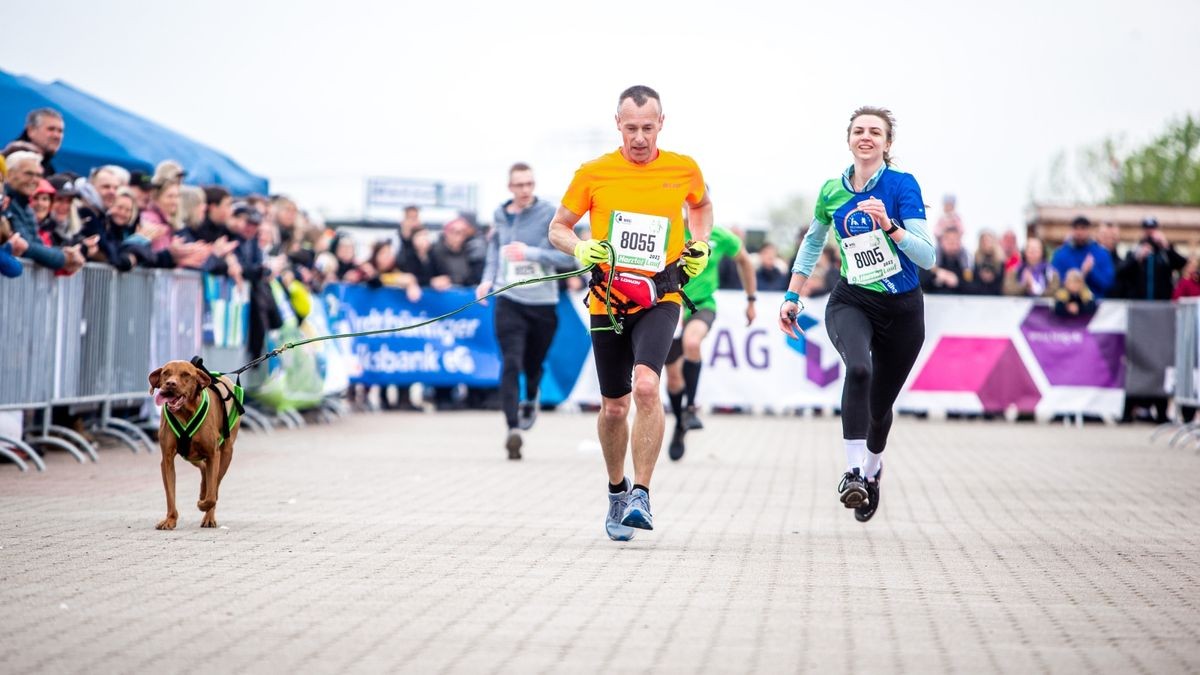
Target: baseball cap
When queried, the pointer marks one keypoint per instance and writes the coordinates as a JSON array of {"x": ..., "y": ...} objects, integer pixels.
[
  {"x": 63, "y": 185},
  {"x": 252, "y": 215},
  {"x": 139, "y": 179},
  {"x": 1081, "y": 221},
  {"x": 44, "y": 188},
  {"x": 1150, "y": 222},
  {"x": 168, "y": 171}
]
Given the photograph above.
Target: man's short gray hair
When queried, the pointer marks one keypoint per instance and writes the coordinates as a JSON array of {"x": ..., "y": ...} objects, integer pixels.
[
  {"x": 34, "y": 119},
  {"x": 120, "y": 172},
  {"x": 20, "y": 157},
  {"x": 641, "y": 94}
]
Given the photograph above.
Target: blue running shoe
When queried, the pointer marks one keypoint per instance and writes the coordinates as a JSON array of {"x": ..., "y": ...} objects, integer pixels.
[
  {"x": 637, "y": 512},
  {"x": 616, "y": 509}
]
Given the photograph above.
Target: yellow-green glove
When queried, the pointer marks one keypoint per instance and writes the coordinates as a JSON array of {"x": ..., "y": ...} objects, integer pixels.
[
  {"x": 695, "y": 258},
  {"x": 591, "y": 252}
]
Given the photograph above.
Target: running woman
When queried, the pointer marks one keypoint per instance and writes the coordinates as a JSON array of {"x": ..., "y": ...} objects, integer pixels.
[
  {"x": 526, "y": 317},
  {"x": 683, "y": 374},
  {"x": 875, "y": 315},
  {"x": 635, "y": 196}
]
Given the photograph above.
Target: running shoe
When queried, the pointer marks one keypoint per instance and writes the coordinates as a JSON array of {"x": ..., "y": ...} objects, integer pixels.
[
  {"x": 616, "y": 509},
  {"x": 863, "y": 513},
  {"x": 853, "y": 490},
  {"x": 690, "y": 421},
  {"x": 526, "y": 415},
  {"x": 514, "y": 443},
  {"x": 675, "y": 450},
  {"x": 637, "y": 512}
]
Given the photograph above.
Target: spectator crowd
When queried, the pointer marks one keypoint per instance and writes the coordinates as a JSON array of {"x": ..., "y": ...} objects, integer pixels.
[{"x": 61, "y": 220}]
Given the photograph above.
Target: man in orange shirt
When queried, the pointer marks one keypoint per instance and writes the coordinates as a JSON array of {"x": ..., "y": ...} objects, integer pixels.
[{"x": 635, "y": 197}]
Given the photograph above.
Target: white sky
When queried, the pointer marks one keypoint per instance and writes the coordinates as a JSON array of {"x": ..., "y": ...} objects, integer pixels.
[{"x": 319, "y": 95}]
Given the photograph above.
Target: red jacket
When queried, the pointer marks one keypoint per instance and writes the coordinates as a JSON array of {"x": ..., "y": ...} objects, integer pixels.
[{"x": 1186, "y": 288}]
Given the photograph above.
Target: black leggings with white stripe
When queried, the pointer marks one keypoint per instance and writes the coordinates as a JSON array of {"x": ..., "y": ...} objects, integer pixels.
[{"x": 879, "y": 337}]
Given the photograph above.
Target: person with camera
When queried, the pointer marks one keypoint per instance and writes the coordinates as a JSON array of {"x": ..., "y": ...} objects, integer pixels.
[{"x": 1149, "y": 268}]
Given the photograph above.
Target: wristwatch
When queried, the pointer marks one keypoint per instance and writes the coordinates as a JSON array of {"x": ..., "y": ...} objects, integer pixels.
[
  {"x": 895, "y": 226},
  {"x": 751, "y": 297}
]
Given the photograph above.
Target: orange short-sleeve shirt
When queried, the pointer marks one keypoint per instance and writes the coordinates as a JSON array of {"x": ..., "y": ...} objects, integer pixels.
[{"x": 661, "y": 188}]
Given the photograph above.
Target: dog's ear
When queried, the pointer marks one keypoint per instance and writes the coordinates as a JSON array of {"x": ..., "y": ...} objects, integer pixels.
[
  {"x": 202, "y": 379},
  {"x": 155, "y": 377}
]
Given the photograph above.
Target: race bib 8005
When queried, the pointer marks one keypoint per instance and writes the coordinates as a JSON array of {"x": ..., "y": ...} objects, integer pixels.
[
  {"x": 865, "y": 248},
  {"x": 869, "y": 258},
  {"x": 639, "y": 241}
]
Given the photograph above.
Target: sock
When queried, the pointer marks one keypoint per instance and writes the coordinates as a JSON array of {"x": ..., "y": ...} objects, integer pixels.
[
  {"x": 618, "y": 488},
  {"x": 677, "y": 406},
  {"x": 871, "y": 464},
  {"x": 691, "y": 380},
  {"x": 637, "y": 486},
  {"x": 856, "y": 451}
]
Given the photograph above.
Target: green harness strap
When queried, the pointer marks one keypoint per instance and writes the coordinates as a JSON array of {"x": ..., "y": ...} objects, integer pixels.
[
  {"x": 239, "y": 399},
  {"x": 185, "y": 432}
]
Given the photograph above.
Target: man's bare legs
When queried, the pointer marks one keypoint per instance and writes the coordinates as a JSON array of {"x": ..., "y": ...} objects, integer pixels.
[
  {"x": 613, "y": 428},
  {"x": 647, "y": 424},
  {"x": 647, "y": 434}
]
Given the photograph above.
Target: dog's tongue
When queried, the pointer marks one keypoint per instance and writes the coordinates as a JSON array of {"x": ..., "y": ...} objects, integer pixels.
[{"x": 159, "y": 399}]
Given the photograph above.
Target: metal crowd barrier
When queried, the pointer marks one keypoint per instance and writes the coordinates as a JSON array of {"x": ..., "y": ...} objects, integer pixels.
[
  {"x": 1186, "y": 378},
  {"x": 27, "y": 328},
  {"x": 88, "y": 341}
]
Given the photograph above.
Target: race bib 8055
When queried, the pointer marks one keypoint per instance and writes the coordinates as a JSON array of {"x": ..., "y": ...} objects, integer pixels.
[{"x": 639, "y": 241}]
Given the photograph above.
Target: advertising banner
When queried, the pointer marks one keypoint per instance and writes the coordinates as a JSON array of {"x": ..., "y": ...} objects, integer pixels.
[
  {"x": 981, "y": 354},
  {"x": 458, "y": 349}
]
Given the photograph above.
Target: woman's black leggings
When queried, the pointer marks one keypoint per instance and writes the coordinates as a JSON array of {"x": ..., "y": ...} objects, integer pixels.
[{"x": 879, "y": 337}]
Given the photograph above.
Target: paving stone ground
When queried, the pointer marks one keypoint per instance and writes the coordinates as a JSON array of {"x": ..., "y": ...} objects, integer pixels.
[{"x": 405, "y": 542}]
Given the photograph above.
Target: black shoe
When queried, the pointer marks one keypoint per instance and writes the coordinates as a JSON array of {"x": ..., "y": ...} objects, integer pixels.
[
  {"x": 675, "y": 451},
  {"x": 853, "y": 490},
  {"x": 513, "y": 444},
  {"x": 690, "y": 421},
  {"x": 526, "y": 415},
  {"x": 863, "y": 513}
]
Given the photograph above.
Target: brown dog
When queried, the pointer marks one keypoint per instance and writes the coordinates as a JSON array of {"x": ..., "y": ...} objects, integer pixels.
[{"x": 181, "y": 390}]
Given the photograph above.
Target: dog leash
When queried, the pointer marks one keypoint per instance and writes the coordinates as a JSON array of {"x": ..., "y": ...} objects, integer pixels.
[{"x": 614, "y": 326}]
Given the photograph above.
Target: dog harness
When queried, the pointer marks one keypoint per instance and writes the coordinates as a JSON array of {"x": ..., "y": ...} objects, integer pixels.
[{"x": 185, "y": 432}]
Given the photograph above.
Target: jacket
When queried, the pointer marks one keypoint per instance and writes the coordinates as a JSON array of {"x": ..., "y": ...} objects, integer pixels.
[
  {"x": 47, "y": 165},
  {"x": 10, "y": 265},
  {"x": 532, "y": 228},
  {"x": 20, "y": 216},
  {"x": 1084, "y": 301},
  {"x": 1152, "y": 277},
  {"x": 465, "y": 266},
  {"x": 1069, "y": 257},
  {"x": 1044, "y": 275},
  {"x": 1186, "y": 288}
]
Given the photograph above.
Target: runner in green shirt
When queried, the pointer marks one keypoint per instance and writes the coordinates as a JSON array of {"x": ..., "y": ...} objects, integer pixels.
[{"x": 683, "y": 374}]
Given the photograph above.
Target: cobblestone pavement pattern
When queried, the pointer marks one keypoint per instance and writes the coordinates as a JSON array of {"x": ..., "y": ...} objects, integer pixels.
[{"x": 406, "y": 542}]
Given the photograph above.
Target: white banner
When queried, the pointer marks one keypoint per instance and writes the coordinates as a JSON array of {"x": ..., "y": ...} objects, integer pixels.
[{"x": 992, "y": 354}]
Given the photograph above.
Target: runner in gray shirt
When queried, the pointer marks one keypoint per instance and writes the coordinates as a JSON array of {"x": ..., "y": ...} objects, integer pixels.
[{"x": 526, "y": 316}]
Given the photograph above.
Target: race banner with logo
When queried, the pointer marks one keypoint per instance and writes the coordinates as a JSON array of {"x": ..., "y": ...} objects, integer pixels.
[
  {"x": 458, "y": 349},
  {"x": 981, "y": 354},
  {"x": 755, "y": 365}
]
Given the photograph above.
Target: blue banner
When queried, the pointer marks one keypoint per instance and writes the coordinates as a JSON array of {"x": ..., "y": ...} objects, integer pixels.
[{"x": 458, "y": 349}]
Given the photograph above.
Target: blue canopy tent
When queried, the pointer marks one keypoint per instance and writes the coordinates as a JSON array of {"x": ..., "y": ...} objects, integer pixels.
[{"x": 99, "y": 133}]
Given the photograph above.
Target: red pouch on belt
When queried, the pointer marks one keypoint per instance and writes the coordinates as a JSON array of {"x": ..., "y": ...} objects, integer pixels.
[{"x": 636, "y": 287}]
